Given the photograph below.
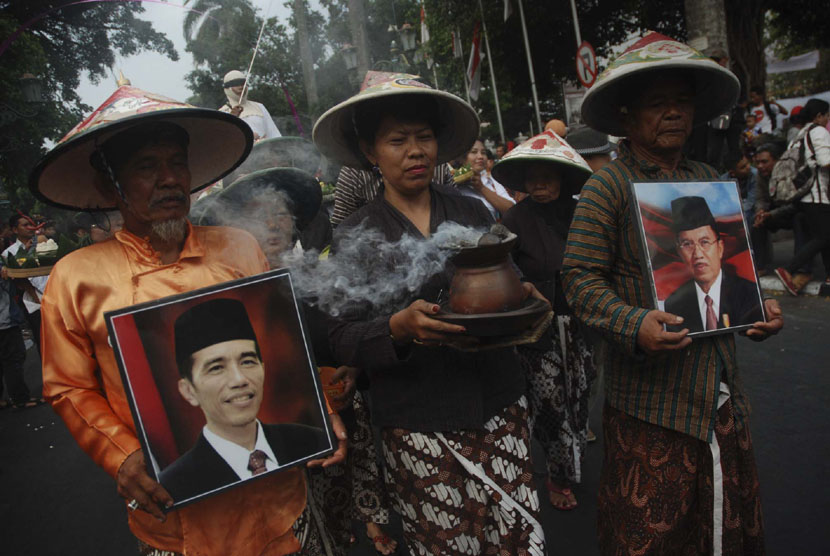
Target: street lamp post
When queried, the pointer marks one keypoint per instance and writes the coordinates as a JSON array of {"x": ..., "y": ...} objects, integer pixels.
[
  {"x": 407, "y": 34},
  {"x": 32, "y": 92},
  {"x": 349, "y": 53}
]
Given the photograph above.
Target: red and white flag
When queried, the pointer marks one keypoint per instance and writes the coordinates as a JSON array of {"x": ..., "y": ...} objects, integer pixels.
[
  {"x": 508, "y": 9},
  {"x": 424, "y": 29},
  {"x": 474, "y": 66}
]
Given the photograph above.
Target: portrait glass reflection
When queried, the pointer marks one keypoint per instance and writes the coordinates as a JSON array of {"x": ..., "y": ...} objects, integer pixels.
[
  {"x": 697, "y": 254},
  {"x": 222, "y": 384}
]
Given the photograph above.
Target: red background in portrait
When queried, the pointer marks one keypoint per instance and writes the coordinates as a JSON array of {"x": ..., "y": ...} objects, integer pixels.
[
  {"x": 146, "y": 342},
  {"x": 669, "y": 271}
]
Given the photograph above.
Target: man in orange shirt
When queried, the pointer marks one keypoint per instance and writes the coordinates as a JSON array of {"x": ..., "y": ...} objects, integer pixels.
[{"x": 144, "y": 155}]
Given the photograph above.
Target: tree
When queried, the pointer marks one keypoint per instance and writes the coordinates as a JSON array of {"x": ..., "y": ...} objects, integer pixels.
[
  {"x": 58, "y": 48},
  {"x": 552, "y": 43},
  {"x": 226, "y": 40},
  {"x": 309, "y": 78}
]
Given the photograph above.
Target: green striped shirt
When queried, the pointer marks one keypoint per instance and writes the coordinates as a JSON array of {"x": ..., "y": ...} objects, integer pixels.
[{"x": 605, "y": 289}]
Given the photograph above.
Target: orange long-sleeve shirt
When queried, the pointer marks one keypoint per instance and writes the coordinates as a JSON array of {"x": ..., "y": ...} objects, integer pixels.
[{"x": 82, "y": 382}]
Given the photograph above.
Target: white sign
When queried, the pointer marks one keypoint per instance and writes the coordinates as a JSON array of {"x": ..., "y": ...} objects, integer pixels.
[{"x": 586, "y": 64}]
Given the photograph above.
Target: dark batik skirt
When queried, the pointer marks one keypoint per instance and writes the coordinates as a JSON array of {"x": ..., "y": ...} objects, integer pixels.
[
  {"x": 664, "y": 492},
  {"x": 466, "y": 492},
  {"x": 559, "y": 383},
  {"x": 354, "y": 489}
]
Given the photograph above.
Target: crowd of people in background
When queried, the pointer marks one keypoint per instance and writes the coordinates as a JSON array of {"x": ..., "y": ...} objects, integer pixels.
[{"x": 454, "y": 427}]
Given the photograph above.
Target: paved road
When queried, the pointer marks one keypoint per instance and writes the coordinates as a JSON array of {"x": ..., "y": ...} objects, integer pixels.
[{"x": 54, "y": 501}]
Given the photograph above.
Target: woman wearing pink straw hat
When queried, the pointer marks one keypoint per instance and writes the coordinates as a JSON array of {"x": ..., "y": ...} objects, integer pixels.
[{"x": 559, "y": 367}]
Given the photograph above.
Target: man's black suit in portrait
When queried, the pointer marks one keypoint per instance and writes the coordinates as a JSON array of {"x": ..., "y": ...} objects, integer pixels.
[
  {"x": 221, "y": 370},
  {"x": 714, "y": 298}
]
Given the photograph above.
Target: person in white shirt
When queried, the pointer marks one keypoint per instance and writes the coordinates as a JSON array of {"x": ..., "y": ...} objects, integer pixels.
[
  {"x": 33, "y": 288},
  {"x": 222, "y": 374},
  {"x": 253, "y": 113},
  {"x": 816, "y": 204},
  {"x": 482, "y": 186},
  {"x": 766, "y": 111}
]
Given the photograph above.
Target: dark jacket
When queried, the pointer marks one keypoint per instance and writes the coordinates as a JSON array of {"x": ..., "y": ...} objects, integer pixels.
[
  {"x": 201, "y": 469},
  {"x": 423, "y": 388},
  {"x": 738, "y": 298}
]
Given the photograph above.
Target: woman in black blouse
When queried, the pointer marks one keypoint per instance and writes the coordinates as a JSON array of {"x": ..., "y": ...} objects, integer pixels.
[
  {"x": 559, "y": 369},
  {"x": 454, "y": 424}
]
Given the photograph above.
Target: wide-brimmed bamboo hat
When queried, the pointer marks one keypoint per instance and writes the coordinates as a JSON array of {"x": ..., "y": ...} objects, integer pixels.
[
  {"x": 335, "y": 135},
  {"x": 716, "y": 88},
  {"x": 546, "y": 147},
  {"x": 218, "y": 143},
  {"x": 300, "y": 188}
]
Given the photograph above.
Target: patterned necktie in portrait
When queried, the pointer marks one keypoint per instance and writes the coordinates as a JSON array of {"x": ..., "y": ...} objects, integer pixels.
[
  {"x": 711, "y": 319},
  {"x": 256, "y": 463}
]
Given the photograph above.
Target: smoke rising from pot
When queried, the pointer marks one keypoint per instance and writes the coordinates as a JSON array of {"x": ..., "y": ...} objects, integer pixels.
[{"x": 375, "y": 274}]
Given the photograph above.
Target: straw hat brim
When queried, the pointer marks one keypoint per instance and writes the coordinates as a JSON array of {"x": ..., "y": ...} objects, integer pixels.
[
  {"x": 301, "y": 188},
  {"x": 335, "y": 136},
  {"x": 219, "y": 142},
  {"x": 511, "y": 172},
  {"x": 716, "y": 92}
]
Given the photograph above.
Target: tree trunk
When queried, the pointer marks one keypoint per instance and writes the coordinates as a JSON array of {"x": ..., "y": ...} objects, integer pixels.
[
  {"x": 744, "y": 25},
  {"x": 305, "y": 55},
  {"x": 706, "y": 24},
  {"x": 357, "y": 24}
]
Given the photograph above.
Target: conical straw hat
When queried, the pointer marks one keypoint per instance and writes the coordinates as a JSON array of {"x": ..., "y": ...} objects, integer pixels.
[
  {"x": 219, "y": 142},
  {"x": 546, "y": 147},
  {"x": 716, "y": 88},
  {"x": 335, "y": 136}
]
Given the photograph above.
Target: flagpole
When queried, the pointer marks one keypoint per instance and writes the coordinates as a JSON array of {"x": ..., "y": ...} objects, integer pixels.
[
  {"x": 492, "y": 73},
  {"x": 530, "y": 66},
  {"x": 576, "y": 23}
]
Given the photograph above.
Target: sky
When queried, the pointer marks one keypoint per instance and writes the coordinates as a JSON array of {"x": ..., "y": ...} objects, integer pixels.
[{"x": 155, "y": 72}]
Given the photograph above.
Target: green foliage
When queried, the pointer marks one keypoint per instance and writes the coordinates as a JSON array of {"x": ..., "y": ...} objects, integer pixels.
[
  {"x": 59, "y": 48},
  {"x": 797, "y": 26}
]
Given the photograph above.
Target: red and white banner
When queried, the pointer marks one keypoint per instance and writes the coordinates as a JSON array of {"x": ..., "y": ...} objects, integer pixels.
[
  {"x": 474, "y": 66},
  {"x": 424, "y": 29}
]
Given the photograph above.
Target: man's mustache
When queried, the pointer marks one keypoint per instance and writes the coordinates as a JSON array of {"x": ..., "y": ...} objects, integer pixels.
[{"x": 177, "y": 196}]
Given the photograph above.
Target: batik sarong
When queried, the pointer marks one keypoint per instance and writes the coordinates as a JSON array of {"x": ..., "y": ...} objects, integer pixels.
[
  {"x": 664, "y": 492},
  {"x": 370, "y": 503},
  {"x": 558, "y": 383},
  {"x": 467, "y": 492}
]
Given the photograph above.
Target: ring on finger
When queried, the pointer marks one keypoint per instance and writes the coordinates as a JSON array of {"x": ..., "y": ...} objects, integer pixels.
[
  {"x": 417, "y": 341},
  {"x": 133, "y": 505}
]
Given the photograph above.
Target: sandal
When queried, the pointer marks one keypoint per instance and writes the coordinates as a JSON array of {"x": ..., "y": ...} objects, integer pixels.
[
  {"x": 566, "y": 492},
  {"x": 28, "y": 404},
  {"x": 591, "y": 436},
  {"x": 387, "y": 544}
]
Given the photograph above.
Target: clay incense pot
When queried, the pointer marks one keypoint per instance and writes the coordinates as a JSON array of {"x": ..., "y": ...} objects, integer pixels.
[{"x": 485, "y": 280}]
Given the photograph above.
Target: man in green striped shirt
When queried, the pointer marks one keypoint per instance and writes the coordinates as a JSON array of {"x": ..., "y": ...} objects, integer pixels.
[{"x": 679, "y": 476}]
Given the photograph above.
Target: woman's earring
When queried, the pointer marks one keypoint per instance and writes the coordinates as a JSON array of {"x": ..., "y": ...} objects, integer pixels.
[{"x": 376, "y": 170}]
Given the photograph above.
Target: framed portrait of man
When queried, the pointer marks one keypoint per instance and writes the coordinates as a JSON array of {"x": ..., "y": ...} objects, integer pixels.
[
  {"x": 222, "y": 384},
  {"x": 696, "y": 254}
]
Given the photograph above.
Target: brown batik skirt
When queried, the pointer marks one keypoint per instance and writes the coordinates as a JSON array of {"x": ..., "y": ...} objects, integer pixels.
[
  {"x": 467, "y": 492},
  {"x": 660, "y": 492}
]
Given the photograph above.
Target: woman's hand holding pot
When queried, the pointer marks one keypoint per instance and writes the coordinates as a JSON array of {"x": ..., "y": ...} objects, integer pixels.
[{"x": 415, "y": 324}]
